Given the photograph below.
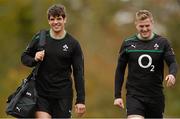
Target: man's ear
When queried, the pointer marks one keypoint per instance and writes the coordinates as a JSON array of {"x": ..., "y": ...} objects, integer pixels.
[
  {"x": 135, "y": 23},
  {"x": 152, "y": 21},
  {"x": 65, "y": 19}
]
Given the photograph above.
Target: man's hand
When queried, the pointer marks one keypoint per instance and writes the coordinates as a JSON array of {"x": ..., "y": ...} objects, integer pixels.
[
  {"x": 80, "y": 109},
  {"x": 39, "y": 56},
  {"x": 119, "y": 102},
  {"x": 170, "y": 80}
]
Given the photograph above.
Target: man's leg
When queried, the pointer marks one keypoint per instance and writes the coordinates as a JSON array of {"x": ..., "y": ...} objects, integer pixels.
[
  {"x": 42, "y": 108},
  {"x": 135, "y": 117},
  {"x": 135, "y": 107},
  {"x": 155, "y": 107},
  {"x": 42, "y": 115},
  {"x": 61, "y": 108}
]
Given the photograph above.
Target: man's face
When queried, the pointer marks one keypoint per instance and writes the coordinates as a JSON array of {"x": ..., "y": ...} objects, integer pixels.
[
  {"x": 144, "y": 27},
  {"x": 57, "y": 24}
]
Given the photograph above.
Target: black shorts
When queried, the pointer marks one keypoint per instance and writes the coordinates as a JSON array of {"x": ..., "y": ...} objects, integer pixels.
[
  {"x": 145, "y": 106},
  {"x": 57, "y": 108}
]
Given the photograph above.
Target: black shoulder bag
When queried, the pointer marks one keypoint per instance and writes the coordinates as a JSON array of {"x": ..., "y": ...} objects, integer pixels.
[{"x": 22, "y": 102}]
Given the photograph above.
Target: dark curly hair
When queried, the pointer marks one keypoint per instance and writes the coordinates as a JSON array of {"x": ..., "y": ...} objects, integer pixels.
[{"x": 56, "y": 11}]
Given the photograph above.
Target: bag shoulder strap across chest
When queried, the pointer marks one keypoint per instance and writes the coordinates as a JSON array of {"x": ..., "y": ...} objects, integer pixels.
[{"x": 41, "y": 46}]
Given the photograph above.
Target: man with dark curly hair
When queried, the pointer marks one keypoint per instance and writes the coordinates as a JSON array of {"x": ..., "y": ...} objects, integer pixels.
[{"x": 62, "y": 55}]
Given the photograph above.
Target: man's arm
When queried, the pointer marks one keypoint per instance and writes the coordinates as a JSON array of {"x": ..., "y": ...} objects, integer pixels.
[
  {"x": 119, "y": 79},
  {"x": 78, "y": 72},
  {"x": 172, "y": 64},
  {"x": 28, "y": 56},
  {"x": 173, "y": 68},
  {"x": 119, "y": 76},
  {"x": 170, "y": 59},
  {"x": 120, "y": 71}
]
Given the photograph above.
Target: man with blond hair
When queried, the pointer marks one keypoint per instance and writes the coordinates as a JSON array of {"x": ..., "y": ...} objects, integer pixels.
[{"x": 144, "y": 53}]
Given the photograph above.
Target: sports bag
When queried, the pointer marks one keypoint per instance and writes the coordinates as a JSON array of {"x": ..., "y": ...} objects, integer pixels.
[{"x": 22, "y": 102}]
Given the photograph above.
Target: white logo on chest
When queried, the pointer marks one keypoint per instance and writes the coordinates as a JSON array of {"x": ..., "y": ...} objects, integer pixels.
[
  {"x": 65, "y": 48},
  {"x": 134, "y": 46},
  {"x": 149, "y": 64},
  {"x": 156, "y": 46}
]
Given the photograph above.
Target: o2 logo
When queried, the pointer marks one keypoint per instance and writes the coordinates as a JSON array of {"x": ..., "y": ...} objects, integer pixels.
[{"x": 149, "y": 64}]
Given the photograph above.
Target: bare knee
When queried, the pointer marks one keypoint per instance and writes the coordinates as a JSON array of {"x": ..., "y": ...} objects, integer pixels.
[
  {"x": 135, "y": 117},
  {"x": 42, "y": 115}
]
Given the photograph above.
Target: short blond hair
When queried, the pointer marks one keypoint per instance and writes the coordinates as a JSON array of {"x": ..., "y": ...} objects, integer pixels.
[{"x": 143, "y": 14}]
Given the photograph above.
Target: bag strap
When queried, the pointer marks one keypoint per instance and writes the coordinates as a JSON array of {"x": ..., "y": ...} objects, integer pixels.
[
  {"x": 42, "y": 37},
  {"x": 41, "y": 46}
]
